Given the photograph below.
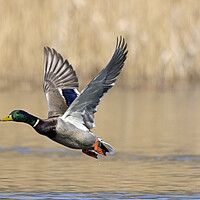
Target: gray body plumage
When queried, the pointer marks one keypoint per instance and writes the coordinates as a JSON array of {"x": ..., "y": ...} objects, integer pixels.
[{"x": 70, "y": 136}]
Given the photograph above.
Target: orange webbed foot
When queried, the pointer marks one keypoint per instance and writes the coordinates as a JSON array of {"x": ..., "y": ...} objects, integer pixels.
[{"x": 99, "y": 149}]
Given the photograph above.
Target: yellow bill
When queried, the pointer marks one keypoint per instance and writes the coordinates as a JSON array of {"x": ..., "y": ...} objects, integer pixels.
[{"x": 8, "y": 118}]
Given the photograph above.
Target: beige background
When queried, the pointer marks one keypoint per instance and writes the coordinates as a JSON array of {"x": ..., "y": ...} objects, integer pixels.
[{"x": 163, "y": 40}]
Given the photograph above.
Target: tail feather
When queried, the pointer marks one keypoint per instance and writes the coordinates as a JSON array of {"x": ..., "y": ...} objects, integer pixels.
[{"x": 107, "y": 147}]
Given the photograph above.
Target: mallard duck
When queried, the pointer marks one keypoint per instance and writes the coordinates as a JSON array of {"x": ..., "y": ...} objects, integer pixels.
[{"x": 70, "y": 113}]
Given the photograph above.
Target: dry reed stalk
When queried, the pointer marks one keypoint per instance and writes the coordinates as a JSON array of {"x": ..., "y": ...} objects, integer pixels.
[{"x": 163, "y": 39}]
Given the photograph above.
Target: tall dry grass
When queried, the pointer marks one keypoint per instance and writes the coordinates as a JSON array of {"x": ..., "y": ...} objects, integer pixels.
[{"x": 163, "y": 39}]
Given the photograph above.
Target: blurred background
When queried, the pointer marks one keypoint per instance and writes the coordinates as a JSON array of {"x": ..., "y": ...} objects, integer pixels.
[
  {"x": 163, "y": 40},
  {"x": 151, "y": 116}
]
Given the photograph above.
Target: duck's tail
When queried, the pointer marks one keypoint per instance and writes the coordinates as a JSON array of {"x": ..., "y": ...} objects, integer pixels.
[{"x": 107, "y": 147}]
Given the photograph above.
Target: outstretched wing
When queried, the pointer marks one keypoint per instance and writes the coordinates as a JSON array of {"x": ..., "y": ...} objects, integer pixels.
[
  {"x": 81, "y": 111},
  {"x": 60, "y": 83}
]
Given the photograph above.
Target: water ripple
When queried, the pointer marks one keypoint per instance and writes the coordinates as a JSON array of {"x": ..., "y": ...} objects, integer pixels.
[
  {"x": 92, "y": 196},
  {"x": 117, "y": 156}
]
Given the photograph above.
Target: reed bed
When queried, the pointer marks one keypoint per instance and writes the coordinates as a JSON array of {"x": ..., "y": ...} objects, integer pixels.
[{"x": 163, "y": 40}]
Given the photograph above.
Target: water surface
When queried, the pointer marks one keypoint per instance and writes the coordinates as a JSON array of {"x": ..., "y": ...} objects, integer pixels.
[{"x": 156, "y": 136}]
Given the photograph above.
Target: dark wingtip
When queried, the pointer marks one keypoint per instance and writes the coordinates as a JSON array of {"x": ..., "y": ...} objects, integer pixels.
[
  {"x": 45, "y": 50},
  {"x": 49, "y": 50},
  {"x": 121, "y": 44},
  {"x": 120, "y": 41},
  {"x": 117, "y": 42}
]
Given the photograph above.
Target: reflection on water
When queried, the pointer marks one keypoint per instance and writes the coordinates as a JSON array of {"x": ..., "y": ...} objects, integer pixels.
[
  {"x": 156, "y": 136},
  {"x": 92, "y": 196}
]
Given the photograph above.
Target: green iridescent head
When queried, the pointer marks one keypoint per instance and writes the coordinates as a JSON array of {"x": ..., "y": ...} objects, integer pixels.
[{"x": 21, "y": 116}]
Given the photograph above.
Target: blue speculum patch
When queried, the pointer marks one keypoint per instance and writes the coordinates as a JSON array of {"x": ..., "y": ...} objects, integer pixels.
[{"x": 69, "y": 95}]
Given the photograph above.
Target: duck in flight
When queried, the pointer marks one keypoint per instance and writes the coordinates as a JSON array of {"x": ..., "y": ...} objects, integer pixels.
[{"x": 70, "y": 113}]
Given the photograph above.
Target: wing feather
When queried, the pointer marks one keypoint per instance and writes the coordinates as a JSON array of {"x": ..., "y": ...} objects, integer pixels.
[
  {"x": 82, "y": 110},
  {"x": 59, "y": 79}
]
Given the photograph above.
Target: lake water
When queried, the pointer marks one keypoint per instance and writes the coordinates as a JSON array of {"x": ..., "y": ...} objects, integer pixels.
[{"x": 156, "y": 136}]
